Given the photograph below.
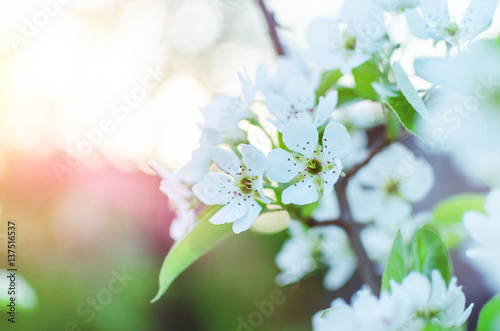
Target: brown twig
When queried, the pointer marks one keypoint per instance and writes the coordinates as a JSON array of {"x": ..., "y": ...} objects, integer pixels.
[
  {"x": 353, "y": 229},
  {"x": 271, "y": 24}
]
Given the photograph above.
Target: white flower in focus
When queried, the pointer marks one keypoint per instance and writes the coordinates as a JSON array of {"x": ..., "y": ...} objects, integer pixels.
[
  {"x": 385, "y": 188},
  {"x": 433, "y": 301},
  {"x": 434, "y": 20},
  {"x": 236, "y": 193},
  {"x": 313, "y": 167},
  {"x": 485, "y": 231},
  {"x": 181, "y": 201},
  {"x": 300, "y": 255},
  {"x": 350, "y": 41}
]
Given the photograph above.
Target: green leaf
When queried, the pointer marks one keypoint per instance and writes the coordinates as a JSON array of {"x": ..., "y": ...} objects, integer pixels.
[
  {"x": 405, "y": 112},
  {"x": 396, "y": 265},
  {"x": 190, "y": 248},
  {"x": 409, "y": 91},
  {"x": 393, "y": 126},
  {"x": 429, "y": 252},
  {"x": 489, "y": 317},
  {"x": 451, "y": 210},
  {"x": 448, "y": 215},
  {"x": 347, "y": 95},
  {"x": 328, "y": 80},
  {"x": 364, "y": 76}
]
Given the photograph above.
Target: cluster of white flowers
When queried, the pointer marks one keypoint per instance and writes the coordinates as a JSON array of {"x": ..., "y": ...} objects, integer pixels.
[
  {"x": 318, "y": 136},
  {"x": 411, "y": 305}
]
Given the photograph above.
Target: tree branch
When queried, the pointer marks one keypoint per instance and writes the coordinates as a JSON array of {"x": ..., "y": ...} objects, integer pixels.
[
  {"x": 353, "y": 229},
  {"x": 271, "y": 24}
]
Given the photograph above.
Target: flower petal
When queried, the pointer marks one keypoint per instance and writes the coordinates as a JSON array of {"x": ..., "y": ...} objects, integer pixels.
[
  {"x": 253, "y": 159},
  {"x": 299, "y": 93},
  {"x": 195, "y": 169},
  {"x": 339, "y": 273},
  {"x": 230, "y": 212},
  {"x": 301, "y": 193},
  {"x": 213, "y": 189},
  {"x": 415, "y": 184},
  {"x": 282, "y": 166},
  {"x": 336, "y": 141},
  {"x": 301, "y": 136},
  {"x": 492, "y": 205},
  {"x": 325, "y": 109},
  {"x": 245, "y": 222},
  {"x": 225, "y": 160}
]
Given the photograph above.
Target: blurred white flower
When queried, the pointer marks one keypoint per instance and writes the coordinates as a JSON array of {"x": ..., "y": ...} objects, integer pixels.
[
  {"x": 237, "y": 194},
  {"x": 485, "y": 231},
  {"x": 299, "y": 98},
  {"x": 224, "y": 113},
  {"x": 411, "y": 305},
  {"x": 328, "y": 208},
  {"x": 313, "y": 167},
  {"x": 366, "y": 313},
  {"x": 349, "y": 41},
  {"x": 291, "y": 91},
  {"x": 181, "y": 201},
  {"x": 295, "y": 259},
  {"x": 433, "y": 20},
  {"x": 300, "y": 255},
  {"x": 286, "y": 69},
  {"x": 385, "y": 188},
  {"x": 433, "y": 301}
]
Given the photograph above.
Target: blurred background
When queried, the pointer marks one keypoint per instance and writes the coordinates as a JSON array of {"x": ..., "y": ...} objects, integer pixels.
[{"x": 92, "y": 91}]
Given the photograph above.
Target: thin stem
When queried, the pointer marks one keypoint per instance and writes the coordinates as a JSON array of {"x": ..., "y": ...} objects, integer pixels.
[
  {"x": 271, "y": 24},
  {"x": 374, "y": 151}
]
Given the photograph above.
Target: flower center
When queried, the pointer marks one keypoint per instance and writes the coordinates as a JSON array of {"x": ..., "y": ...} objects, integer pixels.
[
  {"x": 350, "y": 43},
  {"x": 392, "y": 188},
  {"x": 246, "y": 184},
  {"x": 452, "y": 29},
  {"x": 314, "y": 167}
]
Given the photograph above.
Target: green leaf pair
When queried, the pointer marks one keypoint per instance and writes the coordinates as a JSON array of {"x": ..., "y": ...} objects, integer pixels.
[{"x": 425, "y": 253}]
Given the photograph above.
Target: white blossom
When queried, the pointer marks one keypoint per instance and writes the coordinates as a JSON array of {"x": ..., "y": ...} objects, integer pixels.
[
  {"x": 301, "y": 253},
  {"x": 485, "y": 231},
  {"x": 411, "y": 305},
  {"x": 181, "y": 201},
  {"x": 311, "y": 167},
  {"x": 432, "y": 300},
  {"x": 349, "y": 41},
  {"x": 433, "y": 20},
  {"x": 366, "y": 313},
  {"x": 236, "y": 192},
  {"x": 385, "y": 188}
]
